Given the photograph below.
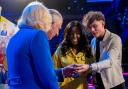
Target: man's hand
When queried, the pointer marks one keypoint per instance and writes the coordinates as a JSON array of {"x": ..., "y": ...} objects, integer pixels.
[{"x": 81, "y": 68}]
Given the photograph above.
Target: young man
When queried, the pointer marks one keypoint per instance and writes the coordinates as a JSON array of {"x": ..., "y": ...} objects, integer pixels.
[{"x": 108, "y": 55}]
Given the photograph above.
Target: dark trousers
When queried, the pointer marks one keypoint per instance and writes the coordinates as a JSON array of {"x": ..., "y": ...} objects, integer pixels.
[
  {"x": 100, "y": 85},
  {"x": 120, "y": 86},
  {"x": 99, "y": 82}
]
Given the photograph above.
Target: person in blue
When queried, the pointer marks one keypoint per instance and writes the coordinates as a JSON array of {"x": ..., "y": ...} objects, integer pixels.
[{"x": 29, "y": 60}]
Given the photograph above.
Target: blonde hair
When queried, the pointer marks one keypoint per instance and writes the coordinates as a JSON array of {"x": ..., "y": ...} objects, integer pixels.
[{"x": 37, "y": 15}]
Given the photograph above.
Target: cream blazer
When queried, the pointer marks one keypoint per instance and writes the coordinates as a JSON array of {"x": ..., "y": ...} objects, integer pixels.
[{"x": 109, "y": 65}]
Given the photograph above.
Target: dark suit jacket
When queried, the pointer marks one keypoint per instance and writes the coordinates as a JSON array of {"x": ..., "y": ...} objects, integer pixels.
[
  {"x": 29, "y": 60},
  {"x": 59, "y": 75}
]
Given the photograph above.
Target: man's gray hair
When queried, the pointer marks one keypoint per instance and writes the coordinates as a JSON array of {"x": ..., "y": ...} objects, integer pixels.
[{"x": 56, "y": 16}]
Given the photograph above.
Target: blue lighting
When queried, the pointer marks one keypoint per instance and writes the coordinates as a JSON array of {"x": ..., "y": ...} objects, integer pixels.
[{"x": 99, "y": 0}]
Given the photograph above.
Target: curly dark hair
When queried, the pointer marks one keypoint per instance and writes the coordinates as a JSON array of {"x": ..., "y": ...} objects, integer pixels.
[{"x": 83, "y": 45}]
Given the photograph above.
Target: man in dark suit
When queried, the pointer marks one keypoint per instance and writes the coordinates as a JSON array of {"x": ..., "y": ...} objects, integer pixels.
[{"x": 57, "y": 21}]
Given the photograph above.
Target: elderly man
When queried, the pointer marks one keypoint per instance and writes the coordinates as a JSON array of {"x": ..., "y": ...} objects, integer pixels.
[{"x": 57, "y": 21}]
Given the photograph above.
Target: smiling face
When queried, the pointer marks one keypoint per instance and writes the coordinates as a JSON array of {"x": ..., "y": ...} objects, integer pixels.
[
  {"x": 56, "y": 26},
  {"x": 75, "y": 36},
  {"x": 57, "y": 21}
]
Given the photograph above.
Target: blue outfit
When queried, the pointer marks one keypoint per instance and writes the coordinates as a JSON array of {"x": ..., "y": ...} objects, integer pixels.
[{"x": 29, "y": 60}]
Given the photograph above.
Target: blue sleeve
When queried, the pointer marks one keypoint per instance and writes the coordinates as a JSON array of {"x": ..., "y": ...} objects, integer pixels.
[
  {"x": 43, "y": 62},
  {"x": 59, "y": 75}
]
